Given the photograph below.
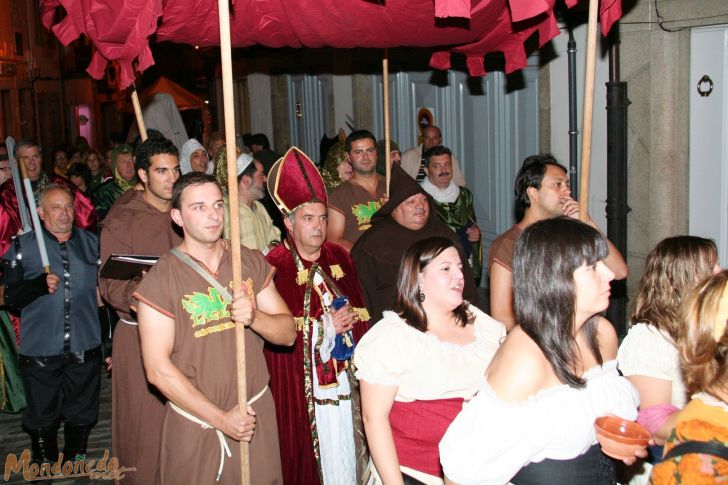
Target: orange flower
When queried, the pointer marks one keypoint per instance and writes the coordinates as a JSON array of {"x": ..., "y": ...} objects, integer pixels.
[
  {"x": 694, "y": 430},
  {"x": 663, "y": 473},
  {"x": 693, "y": 476},
  {"x": 690, "y": 461},
  {"x": 698, "y": 430},
  {"x": 721, "y": 467}
]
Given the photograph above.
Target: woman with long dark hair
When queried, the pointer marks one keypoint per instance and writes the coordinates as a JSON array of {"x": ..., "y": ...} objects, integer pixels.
[
  {"x": 420, "y": 362},
  {"x": 532, "y": 421}
]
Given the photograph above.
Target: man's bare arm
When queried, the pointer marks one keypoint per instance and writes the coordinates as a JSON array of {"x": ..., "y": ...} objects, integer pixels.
[
  {"x": 335, "y": 230},
  {"x": 269, "y": 317},
  {"x": 501, "y": 295},
  {"x": 614, "y": 259},
  {"x": 156, "y": 333},
  {"x": 616, "y": 262}
]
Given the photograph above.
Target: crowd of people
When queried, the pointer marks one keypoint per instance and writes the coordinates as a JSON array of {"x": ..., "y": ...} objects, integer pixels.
[{"x": 368, "y": 358}]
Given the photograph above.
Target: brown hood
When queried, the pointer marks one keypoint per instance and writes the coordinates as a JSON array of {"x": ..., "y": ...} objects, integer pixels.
[{"x": 401, "y": 188}]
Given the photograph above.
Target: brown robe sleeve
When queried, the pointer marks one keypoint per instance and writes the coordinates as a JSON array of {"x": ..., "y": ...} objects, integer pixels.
[{"x": 117, "y": 293}]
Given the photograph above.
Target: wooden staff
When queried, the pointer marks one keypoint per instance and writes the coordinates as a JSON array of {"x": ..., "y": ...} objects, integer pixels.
[
  {"x": 385, "y": 85},
  {"x": 591, "y": 49},
  {"x": 229, "y": 110},
  {"x": 34, "y": 215},
  {"x": 138, "y": 114}
]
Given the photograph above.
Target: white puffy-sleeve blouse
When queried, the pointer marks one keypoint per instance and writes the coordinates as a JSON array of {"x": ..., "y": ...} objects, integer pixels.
[
  {"x": 491, "y": 439},
  {"x": 422, "y": 366},
  {"x": 647, "y": 351}
]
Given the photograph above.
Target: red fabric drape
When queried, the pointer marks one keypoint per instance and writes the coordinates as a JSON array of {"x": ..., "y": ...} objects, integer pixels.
[{"x": 119, "y": 29}]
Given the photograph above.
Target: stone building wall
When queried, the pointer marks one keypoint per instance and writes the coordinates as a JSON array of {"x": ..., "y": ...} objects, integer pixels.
[{"x": 656, "y": 64}]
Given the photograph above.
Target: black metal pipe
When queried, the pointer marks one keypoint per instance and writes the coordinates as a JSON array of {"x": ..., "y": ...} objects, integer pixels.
[
  {"x": 617, "y": 208},
  {"x": 573, "y": 120}
]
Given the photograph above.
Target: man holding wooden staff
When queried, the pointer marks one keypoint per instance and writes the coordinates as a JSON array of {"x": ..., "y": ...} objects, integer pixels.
[{"x": 187, "y": 319}]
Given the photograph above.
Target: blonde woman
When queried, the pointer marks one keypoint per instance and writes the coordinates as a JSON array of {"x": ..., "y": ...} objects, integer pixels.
[{"x": 697, "y": 449}]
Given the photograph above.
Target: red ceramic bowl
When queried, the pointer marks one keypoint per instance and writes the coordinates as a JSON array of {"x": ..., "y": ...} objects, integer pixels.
[{"x": 620, "y": 438}]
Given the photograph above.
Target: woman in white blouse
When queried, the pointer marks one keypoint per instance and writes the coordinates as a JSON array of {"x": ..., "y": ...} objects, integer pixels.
[
  {"x": 420, "y": 362},
  {"x": 648, "y": 356},
  {"x": 532, "y": 421}
]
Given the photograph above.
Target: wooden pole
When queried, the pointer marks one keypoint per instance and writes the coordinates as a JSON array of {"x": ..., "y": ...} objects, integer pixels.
[
  {"x": 138, "y": 114},
  {"x": 385, "y": 86},
  {"x": 591, "y": 49},
  {"x": 229, "y": 111}
]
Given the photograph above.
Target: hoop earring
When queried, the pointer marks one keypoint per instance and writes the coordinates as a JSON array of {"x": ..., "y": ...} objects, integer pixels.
[{"x": 421, "y": 297}]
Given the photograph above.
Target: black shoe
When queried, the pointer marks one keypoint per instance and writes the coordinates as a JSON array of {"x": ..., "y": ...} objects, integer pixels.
[
  {"x": 76, "y": 441},
  {"x": 44, "y": 444}
]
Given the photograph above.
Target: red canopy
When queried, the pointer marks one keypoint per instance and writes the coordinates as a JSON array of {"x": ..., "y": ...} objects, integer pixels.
[{"x": 119, "y": 29}]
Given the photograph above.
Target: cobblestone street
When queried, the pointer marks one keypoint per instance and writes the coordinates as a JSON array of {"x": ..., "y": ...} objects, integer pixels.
[{"x": 14, "y": 440}]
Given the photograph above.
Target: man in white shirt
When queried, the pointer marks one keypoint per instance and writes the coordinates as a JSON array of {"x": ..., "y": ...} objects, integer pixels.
[{"x": 256, "y": 227}]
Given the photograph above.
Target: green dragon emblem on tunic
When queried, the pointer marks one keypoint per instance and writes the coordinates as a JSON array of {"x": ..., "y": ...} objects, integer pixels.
[
  {"x": 364, "y": 212},
  {"x": 205, "y": 308}
]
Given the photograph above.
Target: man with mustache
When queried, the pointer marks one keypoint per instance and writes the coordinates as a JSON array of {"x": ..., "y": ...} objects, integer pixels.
[
  {"x": 454, "y": 204},
  {"x": 407, "y": 217},
  {"x": 60, "y": 339},
  {"x": 318, "y": 444},
  {"x": 139, "y": 222},
  {"x": 542, "y": 192},
  {"x": 413, "y": 160}
]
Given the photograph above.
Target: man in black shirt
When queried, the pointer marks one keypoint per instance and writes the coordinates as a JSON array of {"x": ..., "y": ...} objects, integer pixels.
[{"x": 60, "y": 338}]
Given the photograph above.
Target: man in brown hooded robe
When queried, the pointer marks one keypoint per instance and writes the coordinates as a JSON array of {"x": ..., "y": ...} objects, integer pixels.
[{"x": 409, "y": 216}]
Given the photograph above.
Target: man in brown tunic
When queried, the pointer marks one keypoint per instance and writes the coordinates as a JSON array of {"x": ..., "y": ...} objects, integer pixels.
[
  {"x": 138, "y": 223},
  {"x": 187, "y": 331},
  {"x": 355, "y": 200},
  {"x": 542, "y": 192}
]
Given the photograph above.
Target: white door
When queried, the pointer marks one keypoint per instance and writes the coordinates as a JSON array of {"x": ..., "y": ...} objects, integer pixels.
[
  {"x": 307, "y": 107},
  {"x": 708, "y": 197},
  {"x": 490, "y": 126}
]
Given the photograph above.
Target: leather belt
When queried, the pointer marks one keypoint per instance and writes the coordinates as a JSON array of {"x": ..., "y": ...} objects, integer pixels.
[{"x": 64, "y": 358}]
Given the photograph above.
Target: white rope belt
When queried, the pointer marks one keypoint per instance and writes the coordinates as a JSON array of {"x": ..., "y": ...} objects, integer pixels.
[
  {"x": 128, "y": 322},
  {"x": 224, "y": 448}
]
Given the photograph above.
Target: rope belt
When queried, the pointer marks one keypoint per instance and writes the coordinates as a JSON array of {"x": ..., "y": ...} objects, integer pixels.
[
  {"x": 128, "y": 322},
  {"x": 224, "y": 448}
]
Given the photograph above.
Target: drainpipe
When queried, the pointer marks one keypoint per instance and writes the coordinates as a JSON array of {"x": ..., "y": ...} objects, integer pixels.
[
  {"x": 573, "y": 129},
  {"x": 617, "y": 208}
]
